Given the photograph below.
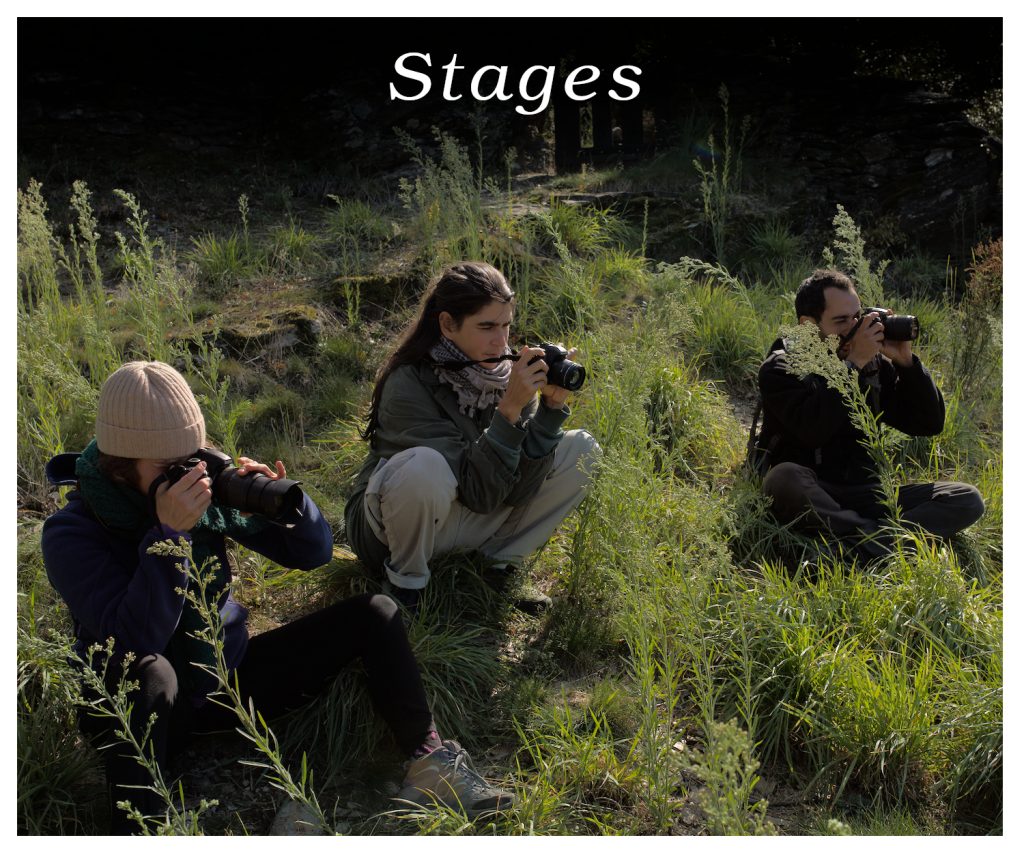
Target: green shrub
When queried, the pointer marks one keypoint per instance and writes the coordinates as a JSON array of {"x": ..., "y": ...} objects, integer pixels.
[
  {"x": 222, "y": 262},
  {"x": 721, "y": 177},
  {"x": 728, "y": 769},
  {"x": 691, "y": 422},
  {"x": 445, "y": 200},
  {"x": 293, "y": 249},
  {"x": 731, "y": 325},
  {"x": 773, "y": 251},
  {"x": 354, "y": 220},
  {"x": 917, "y": 272},
  {"x": 849, "y": 255}
]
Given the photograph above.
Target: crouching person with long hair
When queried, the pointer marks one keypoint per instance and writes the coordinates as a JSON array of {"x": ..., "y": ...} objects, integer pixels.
[
  {"x": 467, "y": 450},
  {"x": 97, "y": 555}
]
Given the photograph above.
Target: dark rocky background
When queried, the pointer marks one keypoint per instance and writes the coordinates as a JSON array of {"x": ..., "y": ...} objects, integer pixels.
[{"x": 188, "y": 114}]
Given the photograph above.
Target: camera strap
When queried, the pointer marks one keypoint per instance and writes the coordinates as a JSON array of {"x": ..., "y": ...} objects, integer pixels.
[
  {"x": 760, "y": 447},
  {"x": 458, "y": 365}
]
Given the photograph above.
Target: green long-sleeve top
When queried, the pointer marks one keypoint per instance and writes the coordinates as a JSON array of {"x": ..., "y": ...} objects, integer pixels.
[{"x": 495, "y": 463}]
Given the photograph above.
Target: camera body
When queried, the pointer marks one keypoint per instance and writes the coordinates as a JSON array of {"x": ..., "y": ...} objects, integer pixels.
[
  {"x": 278, "y": 500},
  {"x": 561, "y": 371},
  {"x": 896, "y": 327}
]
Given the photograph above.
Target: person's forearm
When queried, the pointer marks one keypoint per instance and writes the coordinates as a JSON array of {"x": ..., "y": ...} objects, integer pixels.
[
  {"x": 912, "y": 402},
  {"x": 138, "y": 604},
  {"x": 305, "y": 545},
  {"x": 544, "y": 431}
]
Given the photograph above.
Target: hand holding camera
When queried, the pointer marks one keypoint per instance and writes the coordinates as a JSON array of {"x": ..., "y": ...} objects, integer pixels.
[
  {"x": 564, "y": 375},
  {"x": 898, "y": 352},
  {"x": 547, "y": 368},
  {"x": 880, "y": 330},
  {"x": 528, "y": 376},
  {"x": 181, "y": 504},
  {"x": 865, "y": 341},
  {"x": 246, "y": 465},
  {"x": 251, "y": 488}
]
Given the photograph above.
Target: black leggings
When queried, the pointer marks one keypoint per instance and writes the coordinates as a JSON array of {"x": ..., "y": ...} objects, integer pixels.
[{"x": 282, "y": 670}]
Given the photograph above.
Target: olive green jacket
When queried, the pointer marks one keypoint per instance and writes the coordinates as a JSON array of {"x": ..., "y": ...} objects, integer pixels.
[{"x": 495, "y": 463}]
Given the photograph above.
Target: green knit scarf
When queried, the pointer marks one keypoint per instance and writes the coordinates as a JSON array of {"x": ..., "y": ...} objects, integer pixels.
[{"x": 126, "y": 513}]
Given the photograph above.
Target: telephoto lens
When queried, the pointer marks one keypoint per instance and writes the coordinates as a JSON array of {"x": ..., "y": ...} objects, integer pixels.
[
  {"x": 279, "y": 500},
  {"x": 896, "y": 327}
]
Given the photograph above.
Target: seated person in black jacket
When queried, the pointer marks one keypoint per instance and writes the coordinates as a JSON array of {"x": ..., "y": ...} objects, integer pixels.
[{"x": 819, "y": 470}]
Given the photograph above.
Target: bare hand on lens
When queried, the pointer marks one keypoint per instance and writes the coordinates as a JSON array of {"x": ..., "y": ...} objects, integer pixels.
[
  {"x": 245, "y": 465},
  {"x": 527, "y": 378},
  {"x": 554, "y": 395},
  {"x": 866, "y": 342},
  {"x": 180, "y": 506}
]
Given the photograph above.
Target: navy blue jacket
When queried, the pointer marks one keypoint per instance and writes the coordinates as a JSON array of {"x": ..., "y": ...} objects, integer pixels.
[{"x": 115, "y": 589}]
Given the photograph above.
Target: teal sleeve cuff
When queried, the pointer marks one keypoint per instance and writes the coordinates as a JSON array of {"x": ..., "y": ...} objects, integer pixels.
[
  {"x": 544, "y": 431},
  {"x": 506, "y": 439}
]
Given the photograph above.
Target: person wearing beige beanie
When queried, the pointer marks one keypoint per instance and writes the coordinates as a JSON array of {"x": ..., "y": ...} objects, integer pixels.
[
  {"x": 97, "y": 555},
  {"x": 146, "y": 409}
]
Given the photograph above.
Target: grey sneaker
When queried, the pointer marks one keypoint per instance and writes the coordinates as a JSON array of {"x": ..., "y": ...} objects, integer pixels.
[{"x": 447, "y": 776}]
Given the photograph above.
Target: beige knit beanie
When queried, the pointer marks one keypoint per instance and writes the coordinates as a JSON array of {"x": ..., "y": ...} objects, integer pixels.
[{"x": 147, "y": 411}]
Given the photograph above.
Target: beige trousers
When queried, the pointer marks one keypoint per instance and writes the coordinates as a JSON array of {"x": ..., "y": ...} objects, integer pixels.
[{"x": 411, "y": 507}]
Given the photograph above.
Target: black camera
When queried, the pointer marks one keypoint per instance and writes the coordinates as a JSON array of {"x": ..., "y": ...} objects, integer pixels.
[
  {"x": 562, "y": 372},
  {"x": 279, "y": 500},
  {"x": 896, "y": 327}
]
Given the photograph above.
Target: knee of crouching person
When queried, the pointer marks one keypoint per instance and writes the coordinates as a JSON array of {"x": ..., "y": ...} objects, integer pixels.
[
  {"x": 785, "y": 483},
  {"x": 584, "y": 450},
  {"x": 420, "y": 471},
  {"x": 973, "y": 505},
  {"x": 382, "y": 609}
]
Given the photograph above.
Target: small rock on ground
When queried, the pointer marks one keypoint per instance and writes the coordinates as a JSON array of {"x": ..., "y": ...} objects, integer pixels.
[{"x": 294, "y": 818}]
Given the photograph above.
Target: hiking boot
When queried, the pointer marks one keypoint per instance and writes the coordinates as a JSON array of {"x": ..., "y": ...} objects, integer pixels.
[
  {"x": 446, "y": 776},
  {"x": 527, "y": 599}
]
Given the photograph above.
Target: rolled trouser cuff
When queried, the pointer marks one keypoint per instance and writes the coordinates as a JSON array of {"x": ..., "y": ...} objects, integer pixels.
[{"x": 406, "y": 581}]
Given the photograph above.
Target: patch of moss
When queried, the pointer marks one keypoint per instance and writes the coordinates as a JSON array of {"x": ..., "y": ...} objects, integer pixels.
[
  {"x": 346, "y": 353},
  {"x": 382, "y": 289}
]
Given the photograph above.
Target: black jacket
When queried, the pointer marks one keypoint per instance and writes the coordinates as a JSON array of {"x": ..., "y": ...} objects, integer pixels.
[{"x": 808, "y": 423}]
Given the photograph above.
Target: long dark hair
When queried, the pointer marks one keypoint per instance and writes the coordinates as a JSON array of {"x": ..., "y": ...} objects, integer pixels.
[{"x": 461, "y": 290}]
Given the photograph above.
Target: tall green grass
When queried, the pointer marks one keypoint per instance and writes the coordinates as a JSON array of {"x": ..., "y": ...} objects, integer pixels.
[
  {"x": 721, "y": 176},
  {"x": 445, "y": 200},
  {"x": 684, "y": 614},
  {"x": 224, "y": 262}
]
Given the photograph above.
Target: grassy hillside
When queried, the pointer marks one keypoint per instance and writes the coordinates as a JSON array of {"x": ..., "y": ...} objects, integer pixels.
[{"x": 703, "y": 670}]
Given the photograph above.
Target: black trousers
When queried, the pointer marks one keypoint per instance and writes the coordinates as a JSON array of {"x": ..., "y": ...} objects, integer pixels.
[
  {"x": 942, "y": 508},
  {"x": 282, "y": 670}
]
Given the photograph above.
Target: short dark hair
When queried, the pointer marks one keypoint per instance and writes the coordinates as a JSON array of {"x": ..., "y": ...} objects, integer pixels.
[{"x": 810, "y": 296}]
